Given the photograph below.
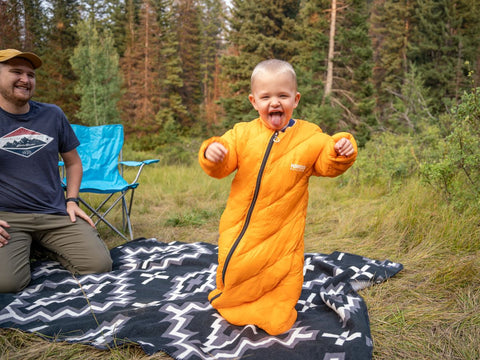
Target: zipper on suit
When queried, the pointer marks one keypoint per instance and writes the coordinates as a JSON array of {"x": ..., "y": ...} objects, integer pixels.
[{"x": 272, "y": 140}]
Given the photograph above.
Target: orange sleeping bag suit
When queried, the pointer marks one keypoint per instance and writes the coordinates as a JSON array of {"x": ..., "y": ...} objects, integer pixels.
[{"x": 260, "y": 257}]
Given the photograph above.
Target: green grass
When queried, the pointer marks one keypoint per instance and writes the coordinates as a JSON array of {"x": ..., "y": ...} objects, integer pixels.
[{"x": 431, "y": 310}]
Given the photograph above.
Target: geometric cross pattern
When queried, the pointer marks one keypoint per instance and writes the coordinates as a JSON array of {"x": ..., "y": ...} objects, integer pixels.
[{"x": 156, "y": 296}]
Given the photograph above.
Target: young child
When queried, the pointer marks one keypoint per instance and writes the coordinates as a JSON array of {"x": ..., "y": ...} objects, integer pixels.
[{"x": 260, "y": 256}]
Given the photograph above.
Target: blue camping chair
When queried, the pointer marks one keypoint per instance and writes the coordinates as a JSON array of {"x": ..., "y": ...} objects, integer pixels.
[{"x": 101, "y": 152}]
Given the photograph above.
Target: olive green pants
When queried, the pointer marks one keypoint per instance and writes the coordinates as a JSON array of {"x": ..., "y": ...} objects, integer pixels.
[{"x": 77, "y": 246}]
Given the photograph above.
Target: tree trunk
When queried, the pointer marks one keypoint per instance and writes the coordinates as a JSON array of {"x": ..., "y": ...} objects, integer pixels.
[{"x": 331, "y": 48}]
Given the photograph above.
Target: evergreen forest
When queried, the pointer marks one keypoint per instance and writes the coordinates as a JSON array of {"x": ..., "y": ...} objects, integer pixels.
[{"x": 182, "y": 67}]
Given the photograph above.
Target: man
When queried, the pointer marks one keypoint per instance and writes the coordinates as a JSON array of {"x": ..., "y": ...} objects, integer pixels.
[{"x": 33, "y": 206}]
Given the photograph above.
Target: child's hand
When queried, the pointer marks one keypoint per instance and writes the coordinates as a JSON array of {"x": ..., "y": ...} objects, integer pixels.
[
  {"x": 216, "y": 152},
  {"x": 344, "y": 147}
]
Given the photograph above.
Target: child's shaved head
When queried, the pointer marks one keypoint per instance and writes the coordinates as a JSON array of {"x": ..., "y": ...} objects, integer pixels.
[{"x": 275, "y": 66}]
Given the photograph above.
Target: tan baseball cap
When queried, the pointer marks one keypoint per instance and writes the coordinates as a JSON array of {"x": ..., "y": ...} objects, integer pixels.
[{"x": 8, "y": 54}]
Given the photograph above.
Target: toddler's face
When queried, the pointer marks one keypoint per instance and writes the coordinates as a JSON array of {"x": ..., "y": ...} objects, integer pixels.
[{"x": 274, "y": 96}]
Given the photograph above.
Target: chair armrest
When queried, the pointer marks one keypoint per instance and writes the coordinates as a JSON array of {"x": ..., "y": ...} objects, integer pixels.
[{"x": 138, "y": 163}]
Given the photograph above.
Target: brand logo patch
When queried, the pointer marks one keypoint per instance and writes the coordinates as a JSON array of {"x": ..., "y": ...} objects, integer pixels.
[
  {"x": 296, "y": 167},
  {"x": 24, "y": 142}
]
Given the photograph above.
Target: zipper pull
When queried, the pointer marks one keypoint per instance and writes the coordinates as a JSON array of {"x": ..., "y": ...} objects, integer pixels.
[{"x": 276, "y": 139}]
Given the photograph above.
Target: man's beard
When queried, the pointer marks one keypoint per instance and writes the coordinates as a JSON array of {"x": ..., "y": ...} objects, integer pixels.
[{"x": 10, "y": 97}]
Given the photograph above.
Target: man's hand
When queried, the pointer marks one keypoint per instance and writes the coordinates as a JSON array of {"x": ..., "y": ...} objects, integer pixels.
[
  {"x": 216, "y": 152},
  {"x": 73, "y": 210},
  {"x": 344, "y": 147},
  {"x": 4, "y": 235}
]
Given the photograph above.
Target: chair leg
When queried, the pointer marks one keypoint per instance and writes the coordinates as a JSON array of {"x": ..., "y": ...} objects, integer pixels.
[
  {"x": 126, "y": 211},
  {"x": 130, "y": 212},
  {"x": 103, "y": 203},
  {"x": 126, "y": 216},
  {"x": 102, "y": 217}
]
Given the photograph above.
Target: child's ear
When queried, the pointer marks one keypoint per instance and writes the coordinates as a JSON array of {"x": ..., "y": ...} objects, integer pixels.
[
  {"x": 297, "y": 99},
  {"x": 252, "y": 101}
]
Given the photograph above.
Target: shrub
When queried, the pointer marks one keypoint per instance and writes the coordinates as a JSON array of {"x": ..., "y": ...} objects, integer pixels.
[
  {"x": 387, "y": 159},
  {"x": 456, "y": 170}
]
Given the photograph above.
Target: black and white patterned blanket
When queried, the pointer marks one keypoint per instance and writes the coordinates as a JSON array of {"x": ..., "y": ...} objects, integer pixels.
[{"x": 156, "y": 296}]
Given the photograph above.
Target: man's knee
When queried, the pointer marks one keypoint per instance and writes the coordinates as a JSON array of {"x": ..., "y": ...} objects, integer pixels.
[
  {"x": 14, "y": 269},
  {"x": 82, "y": 251},
  {"x": 10, "y": 283},
  {"x": 102, "y": 264},
  {"x": 98, "y": 263}
]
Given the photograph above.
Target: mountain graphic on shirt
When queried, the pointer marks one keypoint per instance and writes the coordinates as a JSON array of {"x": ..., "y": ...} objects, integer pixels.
[{"x": 24, "y": 142}]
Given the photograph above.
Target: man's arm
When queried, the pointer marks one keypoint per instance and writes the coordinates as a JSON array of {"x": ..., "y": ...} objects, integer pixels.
[{"x": 74, "y": 172}]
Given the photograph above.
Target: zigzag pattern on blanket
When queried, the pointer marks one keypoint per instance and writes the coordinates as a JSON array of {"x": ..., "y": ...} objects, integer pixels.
[{"x": 156, "y": 296}]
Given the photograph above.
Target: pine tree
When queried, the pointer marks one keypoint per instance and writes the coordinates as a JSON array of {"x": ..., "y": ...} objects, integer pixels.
[
  {"x": 189, "y": 36},
  {"x": 172, "y": 110},
  {"x": 353, "y": 90},
  {"x": 311, "y": 63},
  {"x": 331, "y": 49},
  {"x": 97, "y": 11},
  {"x": 212, "y": 47},
  {"x": 34, "y": 24},
  {"x": 140, "y": 65},
  {"x": 22, "y": 25},
  {"x": 441, "y": 44},
  {"x": 11, "y": 14},
  {"x": 433, "y": 48},
  {"x": 468, "y": 11},
  {"x": 108, "y": 14},
  {"x": 56, "y": 77},
  {"x": 95, "y": 61},
  {"x": 390, "y": 33},
  {"x": 118, "y": 25},
  {"x": 259, "y": 30},
  {"x": 347, "y": 102}
]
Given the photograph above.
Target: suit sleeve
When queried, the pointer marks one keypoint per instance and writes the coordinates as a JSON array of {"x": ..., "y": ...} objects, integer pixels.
[
  {"x": 329, "y": 163},
  {"x": 229, "y": 163}
]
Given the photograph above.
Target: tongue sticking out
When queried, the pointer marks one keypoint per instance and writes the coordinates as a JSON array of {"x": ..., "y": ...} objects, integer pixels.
[{"x": 276, "y": 119}]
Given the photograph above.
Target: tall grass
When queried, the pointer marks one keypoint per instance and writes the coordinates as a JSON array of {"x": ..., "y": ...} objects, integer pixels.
[{"x": 431, "y": 310}]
